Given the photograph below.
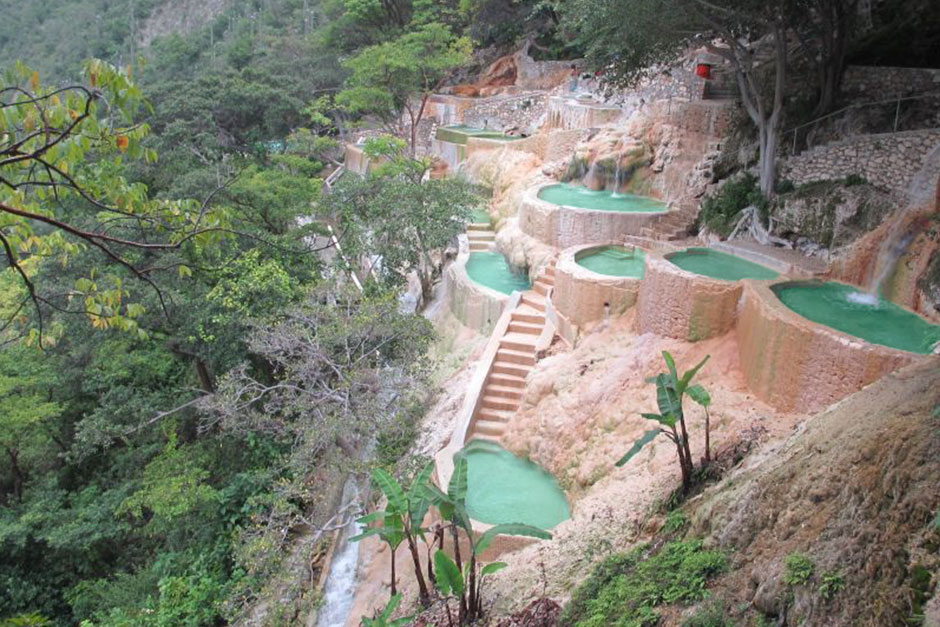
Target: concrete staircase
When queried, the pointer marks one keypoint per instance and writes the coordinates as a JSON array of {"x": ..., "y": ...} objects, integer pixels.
[
  {"x": 480, "y": 236},
  {"x": 504, "y": 387}
]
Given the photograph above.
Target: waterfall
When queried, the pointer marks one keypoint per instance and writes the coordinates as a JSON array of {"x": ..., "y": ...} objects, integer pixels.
[
  {"x": 340, "y": 583},
  {"x": 617, "y": 173}
]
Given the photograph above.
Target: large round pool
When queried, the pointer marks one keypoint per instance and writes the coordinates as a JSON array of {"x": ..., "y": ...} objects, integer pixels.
[
  {"x": 502, "y": 488},
  {"x": 601, "y": 200},
  {"x": 460, "y": 133},
  {"x": 847, "y": 309},
  {"x": 613, "y": 261},
  {"x": 493, "y": 271},
  {"x": 718, "y": 265}
]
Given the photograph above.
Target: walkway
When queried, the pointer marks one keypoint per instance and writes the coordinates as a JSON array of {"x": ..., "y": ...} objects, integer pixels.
[{"x": 504, "y": 387}]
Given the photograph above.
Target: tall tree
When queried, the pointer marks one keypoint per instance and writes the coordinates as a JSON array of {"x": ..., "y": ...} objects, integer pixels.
[
  {"x": 392, "y": 81},
  {"x": 634, "y": 38}
]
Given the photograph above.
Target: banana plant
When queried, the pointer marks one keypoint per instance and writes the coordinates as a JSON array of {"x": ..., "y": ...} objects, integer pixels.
[
  {"x": 670, "y": 390},
  {"x": 402, "y": 520},
  {"x": 701, "y": 396},
  {"x": 385, "y": 618},
  {"x": 464, "y": 580}
]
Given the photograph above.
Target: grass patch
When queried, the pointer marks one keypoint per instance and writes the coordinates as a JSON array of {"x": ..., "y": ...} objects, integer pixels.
[
  {"x": 625, "y": 589},
  {"x": 720, "y": 212},
  {"x": 799, "y": 569},
  {"x": 712, "y": 613}
]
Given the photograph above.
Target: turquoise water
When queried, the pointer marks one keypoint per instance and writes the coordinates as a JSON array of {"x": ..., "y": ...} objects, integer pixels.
[
  {"x": 493, "y": 271},
  {"x": 479, "y": 216},
  {"x": 614, "y": 261},
  {"x": 719, "y": 265},
  {"x": 879, "y": 322},
  {"x": 502, "y": 488},
  {"x": 602, "y": 200}
]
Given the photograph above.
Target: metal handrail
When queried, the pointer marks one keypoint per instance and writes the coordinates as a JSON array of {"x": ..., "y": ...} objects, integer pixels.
[{"x": 860, "y": 105}]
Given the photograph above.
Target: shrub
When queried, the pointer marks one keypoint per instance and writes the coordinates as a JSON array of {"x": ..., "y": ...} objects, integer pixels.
[
  {"x": 712, "y": 613},
  {"x": 855, "y": 179},
  {"x": 676, "y": 520},
  {"x": 720, "y": 212},
  {"x": 833, "y": 582},
  {"x": 625, "y": 589},
  {"x": 799, "y": 569}
]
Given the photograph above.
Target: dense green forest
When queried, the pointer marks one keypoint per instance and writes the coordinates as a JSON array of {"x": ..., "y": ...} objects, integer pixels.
[{"x": 184, "y": 378}]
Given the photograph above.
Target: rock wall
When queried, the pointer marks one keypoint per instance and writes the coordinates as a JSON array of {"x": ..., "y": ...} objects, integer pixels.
[
  {"x": 877, "y": 83},
  {"x": 476, "y": 306},
  {"x": 678, "y": 304},
  {"x": 507, "y": 112},
  {"x": 797, "y": 365},
  {"x": 888, "y": 160}
]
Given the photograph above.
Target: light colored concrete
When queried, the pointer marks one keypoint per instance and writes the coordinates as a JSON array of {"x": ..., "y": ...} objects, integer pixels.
[{"x": 580, "y": 294}]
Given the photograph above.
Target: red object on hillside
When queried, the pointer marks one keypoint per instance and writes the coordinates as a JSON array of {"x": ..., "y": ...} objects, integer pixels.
[{"x": 704, "y": 70}]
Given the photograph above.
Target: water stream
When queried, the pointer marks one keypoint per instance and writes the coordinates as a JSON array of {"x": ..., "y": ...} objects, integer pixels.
[{"x": 341, "y": 582}]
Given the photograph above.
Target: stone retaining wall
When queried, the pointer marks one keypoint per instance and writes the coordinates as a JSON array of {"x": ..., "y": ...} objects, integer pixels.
[
  {"x": 797, "y": 365},
  {"x": 888, "y": 160},
  {"x": 675, "y": 303},
  {"x": 563, "y": 227},
  {"x": 475, "y": 305},
  {"x": 571, "y": 113},
  {"x": 881, "y": 83},
  {"x": 580, "y": 294}
]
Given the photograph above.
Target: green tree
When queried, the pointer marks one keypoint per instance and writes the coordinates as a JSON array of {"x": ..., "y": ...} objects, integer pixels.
[
  {"x": 392, "y": 81},
  {"x": 395, "y": 217}
]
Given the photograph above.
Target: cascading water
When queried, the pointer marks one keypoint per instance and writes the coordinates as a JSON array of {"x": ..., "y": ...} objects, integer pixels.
[{"x": 340, "y": 583}]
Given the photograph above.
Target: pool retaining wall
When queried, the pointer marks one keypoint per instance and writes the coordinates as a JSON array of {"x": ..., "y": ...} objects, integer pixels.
[
  {"x": 680, "y": 304},
  {"x": 580, "y": 293},
  {"x": 562, "y": 226},
  {"x": 795, "y": 364},
  {"x": 475, "y": 305}
]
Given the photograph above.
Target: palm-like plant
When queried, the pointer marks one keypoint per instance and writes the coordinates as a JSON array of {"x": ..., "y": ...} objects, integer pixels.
[
  {"x": 464, "y": 581},
  {"x": 384, "y": 619},
  {"x": 670, "y": 390}
]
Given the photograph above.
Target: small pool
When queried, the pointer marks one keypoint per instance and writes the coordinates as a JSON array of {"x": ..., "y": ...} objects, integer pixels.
[
  {"x": 502, "y": 488},
  {"x": 479, "y": 216},
  {"x": 459, "y": 134},
  {"x": 847, "y": 309},
  {"x": 493, "y": 271},
  {"x": 613, "y": 261},
  {"x": 600, "y": 200},
  {"x": 718, "y": 265}
]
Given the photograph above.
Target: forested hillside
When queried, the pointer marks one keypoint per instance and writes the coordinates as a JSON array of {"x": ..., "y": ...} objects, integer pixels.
[{"x": 162, "y": 440}]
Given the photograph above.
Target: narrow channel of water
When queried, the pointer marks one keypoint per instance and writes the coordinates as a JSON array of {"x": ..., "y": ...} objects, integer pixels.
[{"x": 341, "y": 582}]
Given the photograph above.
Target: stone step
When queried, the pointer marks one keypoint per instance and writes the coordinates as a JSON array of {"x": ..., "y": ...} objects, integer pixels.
[
  {"x": 528, "y": 318},
  {"x": 488, "y": 428},
  {"x": 515, "y": 357},
  {"x": 514, "y": 343},
  {"x": 499, "y": 402},
  {"x": 506, "y": 381},
  {"x": 495, "y": 415},
  {"x": 547, "y": 278},
  {"x": 511, "y": 368},
  {"x": 481, "y": 236},
  {"x": 525, "y": 327},
  {"x": 533, "y": 300},
  {"x": 479, "y": 247},
  {"x": 478, "y": 226},
  {"x": 541, "y": 288},
  {"x": 512, "y": 393}
]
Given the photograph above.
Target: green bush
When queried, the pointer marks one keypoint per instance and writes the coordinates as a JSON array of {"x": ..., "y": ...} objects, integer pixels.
[
  {"x": 676, "y": 520},
  {"x": 720, "y": 212},
  {"x": 833, "y": 582},
  {"x": 712, "y": 613},
  {"x": 625, "y": 589},
  {"x": 799, "y": 569}
]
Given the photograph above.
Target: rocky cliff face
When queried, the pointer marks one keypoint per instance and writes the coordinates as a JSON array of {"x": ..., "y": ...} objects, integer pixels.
[{"x": 178, "y": 16}]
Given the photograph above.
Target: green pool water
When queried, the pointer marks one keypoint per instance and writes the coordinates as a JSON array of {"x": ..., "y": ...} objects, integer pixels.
[
  {"x": 479, "y": 216},
  {"x": 879, "y": 322},
  {"x": 502, "y": 488},
  {"x": 600, "y": 200},
  {"x": 459, "y": 133},
  {"x": 493, "y": 271},
  {"x": 719, "y": 265},
  {"x": 613, "y": 261}
]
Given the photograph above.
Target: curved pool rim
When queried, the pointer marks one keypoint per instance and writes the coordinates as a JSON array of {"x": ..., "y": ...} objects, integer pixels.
[
  {"x": 756, "y": 271},
  {"x": 930, "y": 340},
  {"x": 536, "y": 513},
  {"x": 592, "y": 251},
  {"x": 655, "y": 207}
]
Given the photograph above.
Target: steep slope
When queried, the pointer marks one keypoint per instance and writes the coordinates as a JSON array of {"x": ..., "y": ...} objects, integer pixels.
[{"x": 857, "y": 491}]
